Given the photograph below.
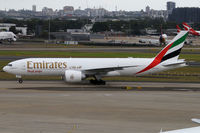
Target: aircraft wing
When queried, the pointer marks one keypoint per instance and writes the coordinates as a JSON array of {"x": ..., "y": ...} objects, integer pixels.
[
  {"x": 196, "y": 121},
  {"x": 105, "y": 70}
]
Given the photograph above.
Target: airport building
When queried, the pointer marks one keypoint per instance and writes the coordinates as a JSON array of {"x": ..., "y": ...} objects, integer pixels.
[
  {"x": 170, "y": 6},
  {"x": 34, "y": 8},
  {"x": 71, "y": 36},
  {"x": 47, "y": 11},
  {"x": 68, "y": 10},
  {"x": 7, "y": 26},
  {"x": 160, "y": 13},
  {"x": 180, "y": 15},
  {"x": 147, "y": 9}
]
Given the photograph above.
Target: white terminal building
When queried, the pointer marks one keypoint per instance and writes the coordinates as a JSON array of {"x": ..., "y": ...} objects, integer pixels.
[{"x": 7, "y": 26}]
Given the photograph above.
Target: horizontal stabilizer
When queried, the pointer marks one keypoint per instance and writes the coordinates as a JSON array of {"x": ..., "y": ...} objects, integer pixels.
[{"x": 174, "y": 64}]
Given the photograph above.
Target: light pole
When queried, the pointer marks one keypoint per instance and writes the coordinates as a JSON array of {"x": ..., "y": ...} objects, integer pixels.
[{"x": 49, "y": 30}]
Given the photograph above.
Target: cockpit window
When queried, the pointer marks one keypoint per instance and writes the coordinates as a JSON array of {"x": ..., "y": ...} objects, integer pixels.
[{"x": 9, "y": 65}]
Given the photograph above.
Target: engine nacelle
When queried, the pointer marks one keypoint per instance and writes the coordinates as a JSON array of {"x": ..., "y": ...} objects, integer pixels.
[{"x": 73, "y": 76}]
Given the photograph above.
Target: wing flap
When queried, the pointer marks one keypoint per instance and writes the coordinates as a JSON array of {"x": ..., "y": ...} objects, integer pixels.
[{"x": 106, "y": 69}]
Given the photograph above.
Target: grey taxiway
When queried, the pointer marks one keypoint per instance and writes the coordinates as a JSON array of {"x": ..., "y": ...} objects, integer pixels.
[{"x": 57, "y": 107}]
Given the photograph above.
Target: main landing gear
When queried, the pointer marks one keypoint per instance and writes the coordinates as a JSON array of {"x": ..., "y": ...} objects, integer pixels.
[{"x": 97, "y": 81}]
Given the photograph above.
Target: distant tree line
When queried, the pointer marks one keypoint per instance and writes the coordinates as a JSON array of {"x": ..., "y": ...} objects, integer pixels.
[
  {"x": 41, "y": 27},
  {"x": 133, "y": 27}
]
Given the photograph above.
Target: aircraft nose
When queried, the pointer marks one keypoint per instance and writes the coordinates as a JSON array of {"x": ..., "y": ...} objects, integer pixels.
[{"x": 5, "y": 68}]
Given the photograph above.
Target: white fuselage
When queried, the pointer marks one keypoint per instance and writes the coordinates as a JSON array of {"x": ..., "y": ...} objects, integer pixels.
[
  {"x": 186, "y": 130},
  {"x": 58, "y": 66}
]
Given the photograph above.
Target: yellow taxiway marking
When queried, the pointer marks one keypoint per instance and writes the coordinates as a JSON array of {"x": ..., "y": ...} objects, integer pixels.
[
  {"x": 74, "y": 128},
  {"x": 130, "y": 88}
]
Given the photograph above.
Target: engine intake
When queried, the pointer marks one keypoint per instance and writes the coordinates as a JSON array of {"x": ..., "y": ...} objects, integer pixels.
[{"x": 73, "y": 76}]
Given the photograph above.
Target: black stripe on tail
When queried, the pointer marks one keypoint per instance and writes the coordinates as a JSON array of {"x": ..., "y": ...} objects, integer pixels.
[{"x": 171, "y": 55}]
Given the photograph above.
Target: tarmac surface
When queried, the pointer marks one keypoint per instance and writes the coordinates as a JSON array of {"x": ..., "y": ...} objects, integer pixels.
[
  {"x": 28, "y": 108},
  {"x": 110, "y": 86}
]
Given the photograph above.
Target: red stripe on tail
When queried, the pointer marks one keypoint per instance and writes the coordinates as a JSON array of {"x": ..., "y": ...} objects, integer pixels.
[
  {"x": 157, "y": 59},
  {"x": 178, "y": 28}
]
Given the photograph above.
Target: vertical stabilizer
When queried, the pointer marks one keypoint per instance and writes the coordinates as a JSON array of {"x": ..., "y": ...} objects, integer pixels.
[{"x": 170, "y": 52}]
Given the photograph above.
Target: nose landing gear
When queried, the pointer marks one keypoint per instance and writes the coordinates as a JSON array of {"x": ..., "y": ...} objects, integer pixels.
[{"x": 20, "y": 80}]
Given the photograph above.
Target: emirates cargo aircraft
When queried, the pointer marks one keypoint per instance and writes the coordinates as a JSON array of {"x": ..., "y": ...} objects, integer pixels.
[{"x": 77, "y": 69}]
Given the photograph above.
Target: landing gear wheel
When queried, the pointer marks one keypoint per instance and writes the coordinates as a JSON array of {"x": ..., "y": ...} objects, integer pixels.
[
  {"x": 102, "y": 82},
  {"x": 20, "y": 81},
  {"x": 97, "y": 82}
]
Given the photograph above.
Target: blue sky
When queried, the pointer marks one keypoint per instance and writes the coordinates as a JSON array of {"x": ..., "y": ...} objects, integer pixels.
[{"x": 129, "y": 5}]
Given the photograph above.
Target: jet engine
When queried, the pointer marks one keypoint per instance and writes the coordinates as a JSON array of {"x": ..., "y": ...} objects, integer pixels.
[{"x": 73, "y": 76}]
